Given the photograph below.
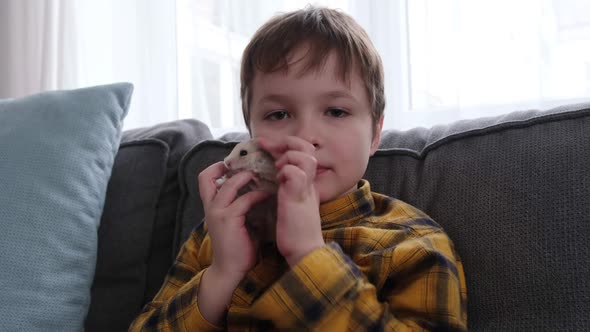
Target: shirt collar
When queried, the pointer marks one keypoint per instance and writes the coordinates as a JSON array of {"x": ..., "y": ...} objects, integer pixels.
[{"x": 350, "y": 207}]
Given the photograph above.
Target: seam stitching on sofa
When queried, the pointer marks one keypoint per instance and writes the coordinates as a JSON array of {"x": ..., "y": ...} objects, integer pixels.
[{"x": 516, "y": 124}]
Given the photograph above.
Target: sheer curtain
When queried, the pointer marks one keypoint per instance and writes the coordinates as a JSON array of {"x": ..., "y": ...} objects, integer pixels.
[
  {"x": 444, "y": 60},
  {"x": 477, "y": 58},
  {"x": 37, "y": 40},
  {"x": 66, "y": 44},
  {"x": 132, "y": 41}
]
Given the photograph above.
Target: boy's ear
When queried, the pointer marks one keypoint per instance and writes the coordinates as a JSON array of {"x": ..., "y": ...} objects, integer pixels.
[{"x": 377, "y": 136}]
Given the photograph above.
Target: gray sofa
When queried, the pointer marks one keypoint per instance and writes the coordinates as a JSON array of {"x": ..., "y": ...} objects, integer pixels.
[{"x": 512, "y": 191}]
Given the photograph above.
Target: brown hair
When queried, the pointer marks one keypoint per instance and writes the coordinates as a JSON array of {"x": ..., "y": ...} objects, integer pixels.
[{"x": 324, "y": 30}]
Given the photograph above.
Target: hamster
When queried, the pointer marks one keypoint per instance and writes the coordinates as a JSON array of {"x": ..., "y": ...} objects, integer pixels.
[
  {"x": 247, "y": 156},
  {"x": 261, "y": 219}
]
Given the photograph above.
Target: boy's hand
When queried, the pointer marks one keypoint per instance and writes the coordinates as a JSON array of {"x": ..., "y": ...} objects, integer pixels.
[
  {"x": 299, "y": 229},
  {"x": 234, "y": 253}
]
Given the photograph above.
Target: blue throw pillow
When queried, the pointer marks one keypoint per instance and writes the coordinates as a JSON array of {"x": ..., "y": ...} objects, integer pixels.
[{"x": 56, "y": 154}]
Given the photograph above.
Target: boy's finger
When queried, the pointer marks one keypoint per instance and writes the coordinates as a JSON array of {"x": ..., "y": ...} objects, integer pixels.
[
  {"x": 206, "y": 179},
  {"x": 243, "y": 203},
  {"x": 304, "y": 161},
  {"x": 292, "y": 178},
  {"x": 229, "y": 190},
  {"x": 269, "y": 146},
  {"x": 277, "y": 148}
]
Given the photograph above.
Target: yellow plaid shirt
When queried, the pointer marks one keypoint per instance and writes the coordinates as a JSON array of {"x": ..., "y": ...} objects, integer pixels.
[{"x": 386, "y": 266}]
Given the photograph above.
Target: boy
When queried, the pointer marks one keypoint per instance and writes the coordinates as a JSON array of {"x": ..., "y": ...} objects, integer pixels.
[{"x": 345, "y": 258}]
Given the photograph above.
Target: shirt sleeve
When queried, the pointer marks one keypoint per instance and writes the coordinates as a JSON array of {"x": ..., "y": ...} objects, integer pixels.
[
  {"x": 175, "y": 308},
  {"x": 419, "y": 287}
]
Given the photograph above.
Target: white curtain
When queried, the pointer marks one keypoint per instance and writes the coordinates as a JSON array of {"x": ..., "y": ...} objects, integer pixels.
[
  {"x": 444, "y": 60},
  {"x": 132, "y": 41},
  {"x": 37, "y": 41},
  {"x": 471, "y": 58},
  {"x": 65, "y": 44}
]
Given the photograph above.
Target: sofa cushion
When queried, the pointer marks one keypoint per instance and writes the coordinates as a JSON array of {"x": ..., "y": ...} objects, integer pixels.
[
  {"x": 137, "y": 229},
  {"x": 56, "y": 159},
  {"x": 125, "y": 235},
  {"x": 511, "y": 192},
  {"x": 180, "y": 136},
  {"x": 191, "y": 207},
  {"x": 508, "y": 190}
]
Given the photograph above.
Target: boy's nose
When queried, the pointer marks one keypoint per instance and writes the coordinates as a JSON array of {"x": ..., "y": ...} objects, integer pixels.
[{"x": 308, "y": 131}]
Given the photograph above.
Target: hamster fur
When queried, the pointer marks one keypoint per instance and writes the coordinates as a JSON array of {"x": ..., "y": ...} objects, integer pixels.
[{"x": 261, "y": 219}]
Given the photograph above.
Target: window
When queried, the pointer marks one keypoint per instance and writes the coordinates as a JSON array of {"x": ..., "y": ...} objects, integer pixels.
[
  {"x": 444, "y": 60},
  {"x": 211, "y": 37},
  {"x": 469, "y": 54}
]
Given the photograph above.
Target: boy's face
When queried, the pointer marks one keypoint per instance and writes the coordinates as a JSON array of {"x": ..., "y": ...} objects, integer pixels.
[{"x": 322, "y": 109}]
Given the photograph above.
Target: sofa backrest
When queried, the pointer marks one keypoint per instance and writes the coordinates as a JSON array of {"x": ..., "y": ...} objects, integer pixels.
[
  {"x": 513, "y": 193},
  {"x": 135, "y": 238}
]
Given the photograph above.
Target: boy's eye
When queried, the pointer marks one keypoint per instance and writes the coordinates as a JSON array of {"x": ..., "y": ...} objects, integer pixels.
[
  {"x": 337, "y": 112},
  {"x": 277, "y": 115}
]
